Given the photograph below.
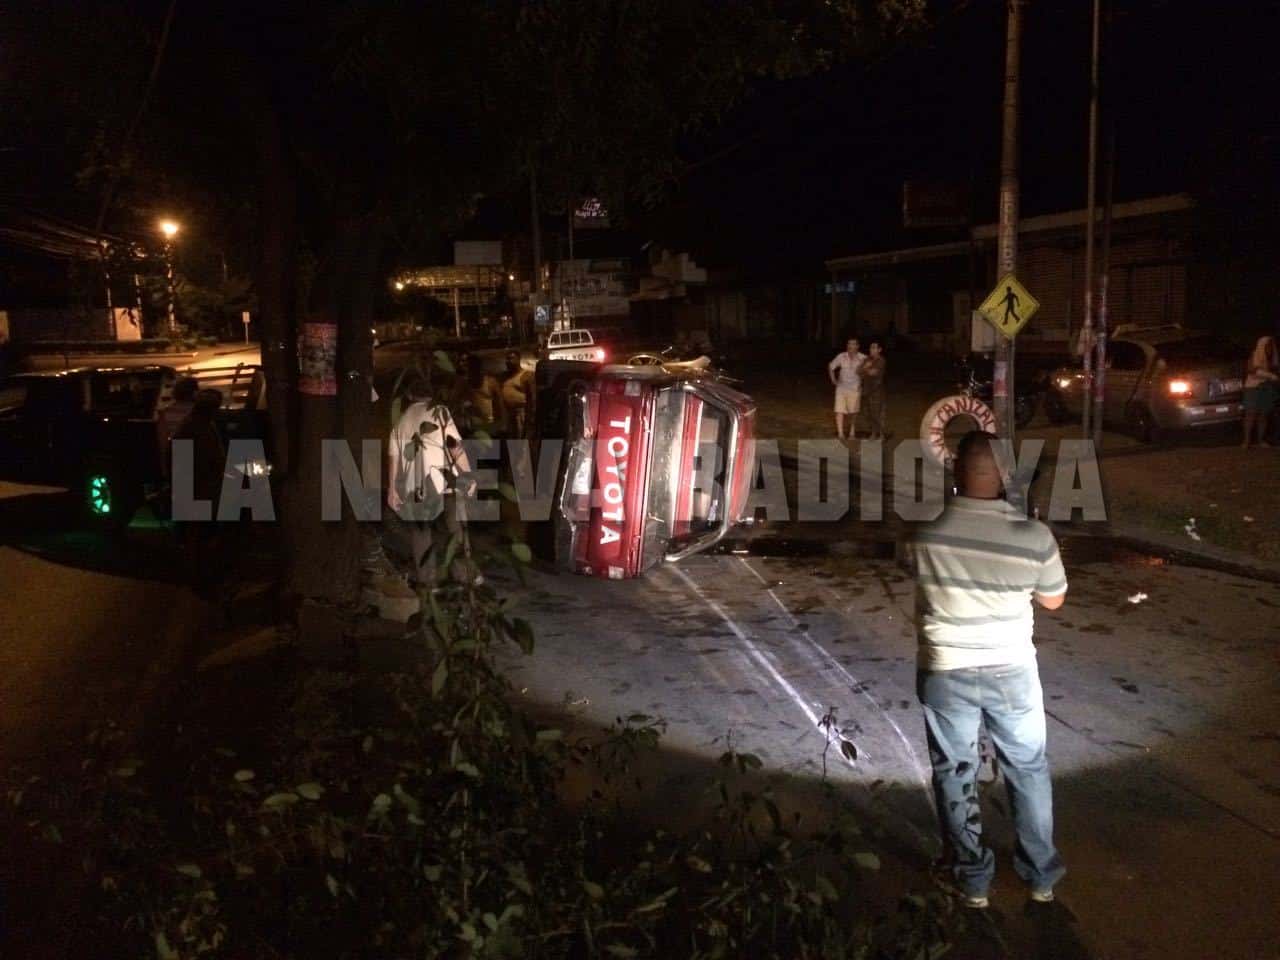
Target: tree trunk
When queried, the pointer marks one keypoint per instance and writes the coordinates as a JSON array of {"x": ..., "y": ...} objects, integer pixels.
[{"x": 325, "y": 555}]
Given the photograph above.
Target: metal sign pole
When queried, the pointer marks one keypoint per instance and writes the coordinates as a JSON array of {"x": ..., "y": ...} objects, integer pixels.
[
  {"x": 1090, "y": 216},
  {"x": 1007, "y": 241}
]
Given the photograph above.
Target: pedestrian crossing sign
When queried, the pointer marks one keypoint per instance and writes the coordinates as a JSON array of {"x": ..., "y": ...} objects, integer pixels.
[{"x": 1009, "y": 306}]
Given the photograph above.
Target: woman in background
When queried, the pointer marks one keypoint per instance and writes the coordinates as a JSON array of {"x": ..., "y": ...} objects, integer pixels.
[{"x": 872, "y": 373}]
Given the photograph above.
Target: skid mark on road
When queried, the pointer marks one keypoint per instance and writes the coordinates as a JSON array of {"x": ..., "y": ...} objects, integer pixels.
[
  {"x": 754, "y": 652},
  {"x": 855, "y": 684}
]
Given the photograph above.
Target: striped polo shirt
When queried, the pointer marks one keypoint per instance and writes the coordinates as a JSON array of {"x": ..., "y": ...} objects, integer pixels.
[{"x": 976, "y": 568}]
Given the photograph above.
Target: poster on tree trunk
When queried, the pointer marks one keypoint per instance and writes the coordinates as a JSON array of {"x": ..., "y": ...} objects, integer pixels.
[{"x": 318, "y": 359}]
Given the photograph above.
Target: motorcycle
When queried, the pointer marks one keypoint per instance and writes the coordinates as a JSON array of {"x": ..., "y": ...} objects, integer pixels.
[{"x": 1026, "y": 394}]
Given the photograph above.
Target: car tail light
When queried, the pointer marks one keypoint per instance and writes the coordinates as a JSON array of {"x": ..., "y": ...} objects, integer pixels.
[
  {"x": 1179, "y": 388},
  {"x": 600, "y": 354}
]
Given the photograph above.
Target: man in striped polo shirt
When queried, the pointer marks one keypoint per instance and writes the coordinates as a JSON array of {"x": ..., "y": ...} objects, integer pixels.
[{"x": 979, "y": 566}]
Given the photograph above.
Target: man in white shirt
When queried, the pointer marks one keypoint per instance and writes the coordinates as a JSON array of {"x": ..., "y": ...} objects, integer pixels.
[
  {"x": 425, "y": 458},
  {"x": 845, "y": 374},
  {"x": 979, "y": 567}
]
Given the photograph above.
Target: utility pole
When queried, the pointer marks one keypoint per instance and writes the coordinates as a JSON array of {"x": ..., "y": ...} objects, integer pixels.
[
  {"x": 535, "y": 288},
  {"x": 168, "y": 275},
  {"x": 1100, "y": 366},
  {"x": 1086, "y": 329},
  {"x": 1007, "y": 239}
]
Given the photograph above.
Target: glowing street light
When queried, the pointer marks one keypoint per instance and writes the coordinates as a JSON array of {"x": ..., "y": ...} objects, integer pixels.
[
  {"x": 170, "y": 230},
  {"x": 399, "y": 284}
]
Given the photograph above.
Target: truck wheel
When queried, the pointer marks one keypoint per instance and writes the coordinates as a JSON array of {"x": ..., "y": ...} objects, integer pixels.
[{"x": 108, "y": 495}]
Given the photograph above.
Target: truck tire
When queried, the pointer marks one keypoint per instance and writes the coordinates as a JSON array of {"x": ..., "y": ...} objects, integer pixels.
[{"x": 108, "y": 495}]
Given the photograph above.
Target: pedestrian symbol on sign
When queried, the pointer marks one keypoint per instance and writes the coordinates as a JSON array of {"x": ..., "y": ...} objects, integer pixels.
[{"x": 1009, "y": 306}]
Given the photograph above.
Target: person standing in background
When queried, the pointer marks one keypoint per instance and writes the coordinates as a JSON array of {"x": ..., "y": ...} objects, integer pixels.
[
  {"x": 517, "y": 385},
  {"x": 844, "y": 372},
  {"x": 872, "y": 374},
  {"x": 1261, "y": 389},
  {"x": 171, "y": 417}
]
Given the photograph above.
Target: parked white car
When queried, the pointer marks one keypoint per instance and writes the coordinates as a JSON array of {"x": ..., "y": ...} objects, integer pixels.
[{"x": 573, "y": 345}]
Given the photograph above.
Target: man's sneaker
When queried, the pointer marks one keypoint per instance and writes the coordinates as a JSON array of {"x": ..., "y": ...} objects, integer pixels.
[
  {"x": 978, "y": 903},
  {"x": 1042, "y": 896}
]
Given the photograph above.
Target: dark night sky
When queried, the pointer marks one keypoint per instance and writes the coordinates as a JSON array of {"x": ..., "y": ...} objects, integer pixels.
[
  {"x": 813, "y": 168},
  {"x": 818, "y": 165}
]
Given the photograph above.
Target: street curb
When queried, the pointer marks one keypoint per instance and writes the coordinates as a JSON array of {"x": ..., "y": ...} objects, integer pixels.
[{"x": 799, "y": 543}]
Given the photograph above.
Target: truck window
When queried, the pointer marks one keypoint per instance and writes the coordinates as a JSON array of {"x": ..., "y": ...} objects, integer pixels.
[
  {"x": 131, "y": 395},
  {"x": 687, "y": 496}
]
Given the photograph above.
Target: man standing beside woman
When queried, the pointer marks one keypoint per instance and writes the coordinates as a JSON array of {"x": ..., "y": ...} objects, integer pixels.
[
  {"x": 1261, "y": 390},
  {"x": 845, "y": 372},
  {"x": 859, "y": 382}
]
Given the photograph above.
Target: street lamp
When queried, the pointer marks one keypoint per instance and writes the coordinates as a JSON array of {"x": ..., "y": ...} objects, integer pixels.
[{"x": 170, "y": 230}]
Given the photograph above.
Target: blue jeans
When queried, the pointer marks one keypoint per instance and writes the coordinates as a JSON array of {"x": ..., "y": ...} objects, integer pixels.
[{"x": 1011, "y": 702}]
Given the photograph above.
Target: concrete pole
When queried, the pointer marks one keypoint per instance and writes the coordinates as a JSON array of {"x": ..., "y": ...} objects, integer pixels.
[
  {"x": 168, "y": 272},
  {"x": 1007, "y": 238},
  {"x": 1090, "y": 215},
  {"x": 1100, "y": 367}
]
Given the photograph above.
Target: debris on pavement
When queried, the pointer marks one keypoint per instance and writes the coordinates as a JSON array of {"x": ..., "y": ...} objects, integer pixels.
[
  {"x": 1137, "y": 597},
  {"x": 1191, "y": 529},
  {"x": 1247, "y": 519}
]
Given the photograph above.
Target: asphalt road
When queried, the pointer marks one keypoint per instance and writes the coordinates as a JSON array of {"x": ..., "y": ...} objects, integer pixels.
[
  {"x": 89, "y": 625},
  {"x": 1164, "y": 719}
]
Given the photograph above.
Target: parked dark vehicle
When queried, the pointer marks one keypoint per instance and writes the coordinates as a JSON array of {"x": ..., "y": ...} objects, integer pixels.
[
  {"x": 1029, "y": 383},
  {"x": 94, "y": 430},
  {"x": 1159, "y": 380}
]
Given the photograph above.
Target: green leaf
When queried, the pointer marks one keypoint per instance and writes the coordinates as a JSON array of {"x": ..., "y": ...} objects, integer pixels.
[
  {"x": 594, "y": 890},
  {"x": 450, "y": 551},
  {"x": 332, "y": 884},
  {"x": 367, "y": 744},
  {"x": 549, "y": 734},
  {"x": 432, "y": 872},
  {"x": 163, "y": 950},
  {"x": 124, "y": 772},
  {"x": 826, "y": 888},
  {"x": 620, "y": 950},
  {"x": 467, "y": 768},
  {"x": 409, "y": 800},
  {"x": 381, "y": 804},
  {"x": 867, "y": 860},
  {"x": 697, "y": 863},
  {"x": 278, "y": 801},
  {"x": 658, "y": 904},
  {"x": 189, "y": 870},
  {"x": 491, "y": 922},
  {"x": 310, "y": 791},
  {"x": 443, "y": 361},
  {"x": 522, "y": 552},
  {"x": 243, "y": 776},
  {"x": 439, "y": 677},
  {"x": 508, "y": 492}
]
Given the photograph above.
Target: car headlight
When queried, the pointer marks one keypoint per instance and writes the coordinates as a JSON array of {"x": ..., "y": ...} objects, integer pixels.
[{"x": 1063, "y": 382}]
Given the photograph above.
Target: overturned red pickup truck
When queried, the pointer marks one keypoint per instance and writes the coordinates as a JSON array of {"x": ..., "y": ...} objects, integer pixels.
[{"x": 657, "y": 463}]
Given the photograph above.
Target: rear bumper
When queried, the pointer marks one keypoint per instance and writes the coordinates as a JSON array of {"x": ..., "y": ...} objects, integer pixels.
[{"x": 1191, "y": 414}]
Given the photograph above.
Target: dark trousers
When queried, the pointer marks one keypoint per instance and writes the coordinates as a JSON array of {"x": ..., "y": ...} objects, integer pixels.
[{"x": 424, "y": 535}]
